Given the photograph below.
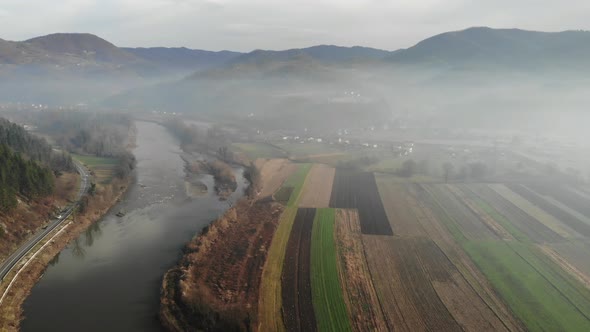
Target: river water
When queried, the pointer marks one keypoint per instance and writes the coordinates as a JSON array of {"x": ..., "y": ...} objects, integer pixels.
[{"x": 109, "y": 278}]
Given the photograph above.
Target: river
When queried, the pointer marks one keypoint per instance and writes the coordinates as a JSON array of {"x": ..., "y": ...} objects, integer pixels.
[{"x": 109, "y": 278}]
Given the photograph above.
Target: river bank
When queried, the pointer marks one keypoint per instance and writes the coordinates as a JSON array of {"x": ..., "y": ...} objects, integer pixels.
[
  {"x": 11, "y": 311},
  {"x": 215, "y": 285},
  {"x": 109, "y": 278}
]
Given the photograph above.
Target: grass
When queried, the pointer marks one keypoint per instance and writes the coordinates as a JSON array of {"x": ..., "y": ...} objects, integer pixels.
[
  {"x": 259, "y": 150},
  {"x": 505, "y": 223},
  {"x": 270, "y": 302},
  {"x": 541, "y": 294},
  {"x": 306, "y": 149},
  {"x": 296, "y": 181},
  {"x": 91, "y": 161},
  {"x": 102, "y": 168},
  {"x": 542, "y": 299},
  {"x": 328, "y": 300}
]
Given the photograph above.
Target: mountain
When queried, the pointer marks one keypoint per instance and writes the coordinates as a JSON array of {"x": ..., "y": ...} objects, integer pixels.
[
  {"x": 321, "y": 53},
  {"x": 504, "y": 47},
  {"x": 82, "y": 45},
  {"x": 316, "y": 62},
  {"x": 182, "y": 57}
]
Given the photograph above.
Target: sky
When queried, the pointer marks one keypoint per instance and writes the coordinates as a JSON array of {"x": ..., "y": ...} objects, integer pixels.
[{"x": 245, "y": 25}]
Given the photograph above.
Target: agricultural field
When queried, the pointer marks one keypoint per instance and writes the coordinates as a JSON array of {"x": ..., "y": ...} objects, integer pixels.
[
  {"x": 296, "y": 181},
  {"x": 103, "y": 169},
  {"x": 258, "y": 150},
  {"x": 360, "y": 296},
  {"x": 317, "y": 195},
  {"x": 358, "y": 190},
  {"x": 327, "y": 296},
  {"x": 273, "y": 173},
  {"x": 270, "y": 297},
  {"x": 298, "y": 309},
  {"x": 361, "y": 251}
]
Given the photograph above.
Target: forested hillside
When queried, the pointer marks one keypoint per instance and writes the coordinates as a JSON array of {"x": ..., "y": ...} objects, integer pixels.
[
  {"x": 26, "y": 164},
  {"x": 19, "y": 176},
  {"x": 19, "y": 140}
]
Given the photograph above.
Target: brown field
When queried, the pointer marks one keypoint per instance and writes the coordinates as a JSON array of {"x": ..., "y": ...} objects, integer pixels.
[
  {"x": 361, "y": 299},
  {"x": 358, "y": 190},
  {"x": 421, "y": 289},
  {"x": 319, "y": 189},
  {"x": 273, "y": 173},
  {"x": 407, "y": 295},
  {"x": 402, "y": 220},
  {"x": 298, "y": 313},
  {"x": 469, "y": 223}
]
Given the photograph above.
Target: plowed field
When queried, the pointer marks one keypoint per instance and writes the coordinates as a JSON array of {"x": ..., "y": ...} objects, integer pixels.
[
  {"x": 298, "y": 313},
  {"x": 361, "y": 299},
  {"x": 403, "y": 271},
  {"x": 358, "y": 190}
]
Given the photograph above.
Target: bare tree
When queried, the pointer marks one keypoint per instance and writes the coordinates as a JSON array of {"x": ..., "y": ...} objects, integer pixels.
[{"x": 448, "y": 170}]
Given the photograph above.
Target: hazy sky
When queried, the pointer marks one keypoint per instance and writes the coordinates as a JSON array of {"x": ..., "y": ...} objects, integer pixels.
[{"x": 244, "y": 25}]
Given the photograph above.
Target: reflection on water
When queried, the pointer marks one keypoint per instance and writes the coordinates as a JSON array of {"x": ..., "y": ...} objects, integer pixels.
[{"x": 108, "y": 279}]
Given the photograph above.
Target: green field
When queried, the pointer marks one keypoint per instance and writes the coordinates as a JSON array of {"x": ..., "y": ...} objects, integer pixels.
[
  {"x": 103, "y": 169},
  {"x": 296, "y": 181},
  {"x": 306, "y": 149},
  {"x": 540, "y": 293},
  {"x": 328, "y": 301},
  {"x": 258, "y": 150},
  {"x": 505, "y": 223},
  {"x": 542, "y": 298}
]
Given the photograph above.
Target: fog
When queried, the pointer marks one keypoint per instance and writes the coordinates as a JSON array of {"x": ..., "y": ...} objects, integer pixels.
[{"x": 514, "y": 83}]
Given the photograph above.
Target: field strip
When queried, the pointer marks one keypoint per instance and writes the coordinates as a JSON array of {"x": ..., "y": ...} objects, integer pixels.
[
  {"x": 297, "y": 304},
  {"x": 582, "y": 193},
  {"x": 576, "y": 253},
  {"x": 574, "y": 292},
  {"x": 298, "y": 181},
  {"x": 364, "y": 308},
  {"x": 565, "y": 265},
  {"x": 563, "y": 216},
  {"x": 328, "y": 301},
  {"x": 533, "y": 298},
  {"x": 486, "y": 219},
  {"x": 567, "y": 209},
  {"x": 403, "y": 270},
  {"x": 533, "y": 210},
  {"x": 451, "y": 241},
  {"x": 319, "y": 188},
  {"x": 270, "y": 303}
]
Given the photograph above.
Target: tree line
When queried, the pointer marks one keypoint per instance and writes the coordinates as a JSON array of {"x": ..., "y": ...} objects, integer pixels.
[
  {"x": 20, "y": 176},
  {"x": 19, "y": 140}
]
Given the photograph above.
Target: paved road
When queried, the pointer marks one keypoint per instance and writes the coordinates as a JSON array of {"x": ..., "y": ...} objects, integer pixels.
[{"x": 11, "y": 261}]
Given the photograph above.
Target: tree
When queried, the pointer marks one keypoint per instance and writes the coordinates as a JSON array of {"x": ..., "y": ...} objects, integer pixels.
[
  {"x": 225, "y": 154},
  {"x": 448, "y": 170},
  {"x": 478, "y": 170},
  {"x": 408, "y": 168}
]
